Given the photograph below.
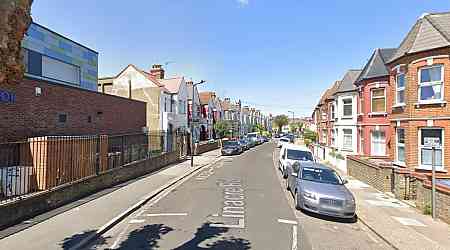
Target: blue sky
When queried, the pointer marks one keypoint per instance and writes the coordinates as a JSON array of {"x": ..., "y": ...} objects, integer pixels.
[{"x": 274, "y": 55}]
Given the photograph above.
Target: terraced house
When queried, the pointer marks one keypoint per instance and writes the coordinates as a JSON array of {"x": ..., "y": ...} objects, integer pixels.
[
  {"x": 420, "y": 111},
  {"x": 374, "y": 94}
]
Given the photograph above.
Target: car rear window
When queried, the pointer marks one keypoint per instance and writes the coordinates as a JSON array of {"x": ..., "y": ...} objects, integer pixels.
[
  {"x": 230, "y": 143},
  {"x": 299, "y": 155},
  {"x": 321, "y": 175}
]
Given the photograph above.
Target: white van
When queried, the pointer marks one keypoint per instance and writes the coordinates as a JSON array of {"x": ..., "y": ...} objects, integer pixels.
[{"x": 291, "y": 153}]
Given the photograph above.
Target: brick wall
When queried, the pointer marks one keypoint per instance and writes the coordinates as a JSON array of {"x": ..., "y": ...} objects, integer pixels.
[
  {"x": 442, "y": 199},
  {"x": 372, "y": 174},
  {"x": 87, "y": 112}
]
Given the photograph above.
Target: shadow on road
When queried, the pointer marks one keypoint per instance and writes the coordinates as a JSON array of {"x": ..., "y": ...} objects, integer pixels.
[
  {"x": 146, "y": 237},
  {"x": 206, "y": 232},
  {"x": 71, "y": 241},
  {"x": 330, "y": 218}
]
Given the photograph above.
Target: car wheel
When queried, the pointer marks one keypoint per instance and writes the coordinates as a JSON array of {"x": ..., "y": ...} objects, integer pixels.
[
  {"x": 284, "y": 172},
  {"x": 297, "y": 202},
  {"x": 287, "y": 185}
]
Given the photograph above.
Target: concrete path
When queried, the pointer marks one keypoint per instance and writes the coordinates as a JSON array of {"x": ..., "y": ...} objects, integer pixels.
[
  {"x": 66, "y": 229},
  {"x": 401, "y": 225}
]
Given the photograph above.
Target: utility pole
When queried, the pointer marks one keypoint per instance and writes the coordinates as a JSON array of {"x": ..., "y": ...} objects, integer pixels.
[{"x": 192, "y": 120}]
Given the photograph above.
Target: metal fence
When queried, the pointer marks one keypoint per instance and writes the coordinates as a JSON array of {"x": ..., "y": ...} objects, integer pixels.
[{"x": 43, "y": 163}]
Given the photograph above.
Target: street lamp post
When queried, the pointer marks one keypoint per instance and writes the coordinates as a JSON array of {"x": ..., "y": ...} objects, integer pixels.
[
  {"x": 192, "y": 120},
  {"x": 293, "y": 119}
]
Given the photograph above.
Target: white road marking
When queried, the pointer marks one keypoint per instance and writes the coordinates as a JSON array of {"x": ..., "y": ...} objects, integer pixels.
[
  {"x": 408, "y": 221},
  {"x": 294, "y": 237},
  {"x": 292, "y": 222},
  {"x": 241, "y": 225},
  {"x": 166, "y": 214},
  {"x": 119, "y": 238},
  {"x": 135, "y": 221}
]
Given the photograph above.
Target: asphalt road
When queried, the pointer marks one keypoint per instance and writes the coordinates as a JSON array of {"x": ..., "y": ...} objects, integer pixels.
[{"x": 238, "y": 203}]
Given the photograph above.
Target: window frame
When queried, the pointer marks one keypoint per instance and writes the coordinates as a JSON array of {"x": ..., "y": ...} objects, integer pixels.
[
  {"x": 420, "y": 147},
  {"x": 380, "y": 141},
  {"x": 398, "y": 145},
  {"x": 432, "y": 83},
  {"x": 377, "y": 97},
  {"x": 343, "y": 139},
  {"x": 398, "y": 89},
  {"x": 343, "y": 107}
]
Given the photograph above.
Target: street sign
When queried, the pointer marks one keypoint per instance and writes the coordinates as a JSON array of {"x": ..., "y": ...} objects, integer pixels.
[{"x": 432, "y": 142}]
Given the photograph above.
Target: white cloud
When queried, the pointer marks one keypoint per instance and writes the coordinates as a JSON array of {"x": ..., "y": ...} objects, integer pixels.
[{"x": 243, "y": 2}]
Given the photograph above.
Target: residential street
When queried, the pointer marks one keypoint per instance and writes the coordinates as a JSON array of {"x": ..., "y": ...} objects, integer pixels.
[{"x": 237, "y": 203}]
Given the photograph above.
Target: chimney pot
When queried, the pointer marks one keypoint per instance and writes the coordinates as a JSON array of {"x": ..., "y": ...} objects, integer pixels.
[{"x": 157, "y": 71}]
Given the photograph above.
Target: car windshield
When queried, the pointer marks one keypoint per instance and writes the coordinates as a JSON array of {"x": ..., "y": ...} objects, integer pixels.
[
  {"x": 299, "y": 155},
  {"x": 321, "y": 175},
  {"x": 230, "y": 143},
  {"x": 284, "y": 139},
  {"x": 251, "y": 135}
]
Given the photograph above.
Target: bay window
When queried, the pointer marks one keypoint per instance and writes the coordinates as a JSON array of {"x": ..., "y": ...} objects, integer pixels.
[
  {"x": 347, "y": 139},
  {"x": 435, "y": 135},
  {"x": 400, "y": 89},
  {"x": 431, "y": 84},
  {"x": 348, "y": 107},
  {"x": 378, "y": 100},
  {"x": 400, "y": 154},
  {"x": 378, "y": 144}
]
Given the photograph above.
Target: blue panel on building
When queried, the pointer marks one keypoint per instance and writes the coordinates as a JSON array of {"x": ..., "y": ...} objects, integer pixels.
[{"x": 7, "y": 97}]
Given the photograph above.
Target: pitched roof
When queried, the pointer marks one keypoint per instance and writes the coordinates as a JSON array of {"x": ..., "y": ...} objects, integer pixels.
[
  {"x": 376, "y": 66},
  {"x": 333, "y": 90},
  {"x": 172, "y": 84},
  {"x": 347, "y": 83},
  {"x": 431, "y": 31},
  {"x": 205, "y": 97}
]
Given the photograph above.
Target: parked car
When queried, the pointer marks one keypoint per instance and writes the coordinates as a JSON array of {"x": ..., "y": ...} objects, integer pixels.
[
  {"x": 291, "y": 153},
  {"x": 253, "y": 137},
  {"x": 231, "y": 147},
  {"x": 251, "y": 143},
  {"x": 265, "y": 139},
  {"x": 282, "y": 141},
  {"x": 244, "y": 144},
  {"x": 319, "y": 189}
]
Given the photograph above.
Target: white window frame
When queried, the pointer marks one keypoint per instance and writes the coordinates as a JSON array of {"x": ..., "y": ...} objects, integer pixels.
[
  {"x": 398, "y": 145},
  {"x": 420, "y": 147},
  {"x": 343, "y": 107},
  {"x": 343, "y": 139},
  {"x": 372, "y": 141},
  {"x": 397, "y": 89},
  {"x": 420, "y": 84},
  {"x": 332, "y": 111},
  {"x": 378, "y": 97}
]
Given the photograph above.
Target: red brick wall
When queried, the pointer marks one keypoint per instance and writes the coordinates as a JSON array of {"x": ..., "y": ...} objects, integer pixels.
[
  {"x": 33, "y": 116},
  {"x": 416, "y": 116}
]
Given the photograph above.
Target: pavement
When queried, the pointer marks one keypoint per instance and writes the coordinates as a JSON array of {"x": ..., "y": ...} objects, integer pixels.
[{"x": 403, "y": 226}]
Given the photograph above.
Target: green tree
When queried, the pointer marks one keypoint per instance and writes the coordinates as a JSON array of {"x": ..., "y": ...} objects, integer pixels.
[
  {"x": 222, "y": 129},
  {"x": 280, "y": 121},
  {"x": 309, "y": 136}
]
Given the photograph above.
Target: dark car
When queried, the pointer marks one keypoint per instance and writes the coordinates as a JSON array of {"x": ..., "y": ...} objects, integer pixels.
[
  {"x": 231, "y": 148},
  {"x": 244, "y": 144},
  {"x": 265, "y": 139}
]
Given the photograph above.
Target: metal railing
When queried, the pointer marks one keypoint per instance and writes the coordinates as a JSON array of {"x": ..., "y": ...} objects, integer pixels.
[{"x": 43, "y": 163}]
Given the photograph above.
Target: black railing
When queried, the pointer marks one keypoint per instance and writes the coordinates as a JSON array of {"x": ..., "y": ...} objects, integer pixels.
[{"x": 43, "y": 163}]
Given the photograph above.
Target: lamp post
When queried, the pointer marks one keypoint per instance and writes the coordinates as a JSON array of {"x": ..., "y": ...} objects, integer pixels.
[
  {"x": 293, "y": 119},
  {"x": 192, "y": 120}
]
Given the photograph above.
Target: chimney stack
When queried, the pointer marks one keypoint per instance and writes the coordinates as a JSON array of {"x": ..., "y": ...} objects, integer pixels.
[{"x": 157, "y": 71}]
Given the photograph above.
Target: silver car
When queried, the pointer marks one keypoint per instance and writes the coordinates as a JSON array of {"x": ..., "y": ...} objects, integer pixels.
[{"x": 319, "y": 189}]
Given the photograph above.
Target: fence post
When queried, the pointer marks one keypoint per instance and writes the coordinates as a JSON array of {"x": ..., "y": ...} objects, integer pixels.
[{"x": 97, "y": 156}]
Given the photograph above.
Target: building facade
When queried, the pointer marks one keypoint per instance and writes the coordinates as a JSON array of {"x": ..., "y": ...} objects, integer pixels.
[
  {"x": 419, "y": 110},
  {"x": 374, "y": 94}
]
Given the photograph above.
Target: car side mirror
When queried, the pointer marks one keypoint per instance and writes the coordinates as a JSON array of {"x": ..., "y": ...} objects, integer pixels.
[{"x": 345, "y": 181}]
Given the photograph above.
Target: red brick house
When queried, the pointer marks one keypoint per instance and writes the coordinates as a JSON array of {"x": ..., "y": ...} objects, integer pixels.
[
  {"x": 419, "y": 110},
  {"x": 374, "y": 93}
]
